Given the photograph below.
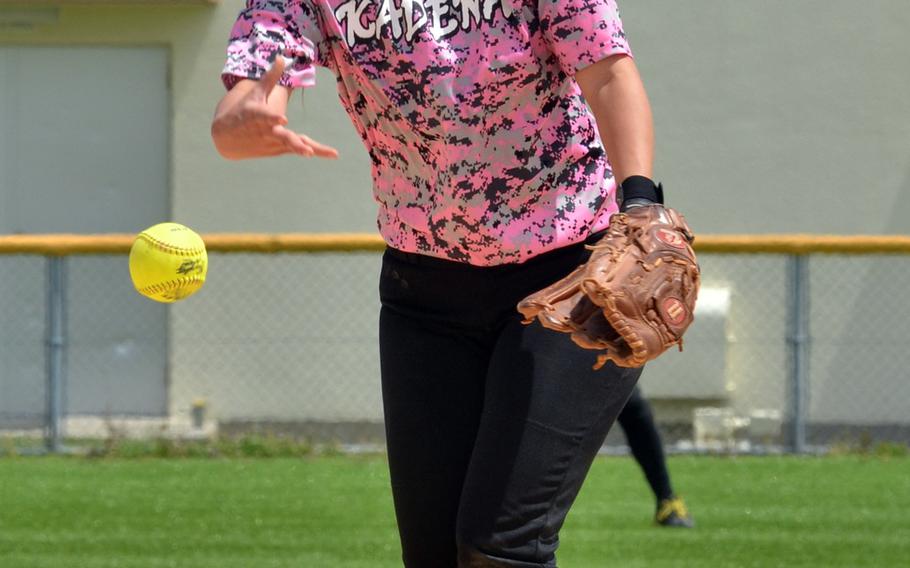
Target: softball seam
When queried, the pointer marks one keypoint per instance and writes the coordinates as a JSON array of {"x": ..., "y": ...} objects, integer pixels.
[
  {"x": 163, "y": 246},
  {"x": 169, "y": 285}
]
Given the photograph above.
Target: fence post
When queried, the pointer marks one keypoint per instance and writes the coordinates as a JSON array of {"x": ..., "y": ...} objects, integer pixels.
[
  {"x": 56, "y": 347},
  {"x": 798, "y": 343}
]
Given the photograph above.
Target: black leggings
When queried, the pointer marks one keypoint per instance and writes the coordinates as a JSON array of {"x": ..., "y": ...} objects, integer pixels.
[
  {"x": 491, "y": 425},
  {"x": 637, "y": 422}
]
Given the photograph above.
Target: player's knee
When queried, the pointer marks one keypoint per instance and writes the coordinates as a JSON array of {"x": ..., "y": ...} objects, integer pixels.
[
  {"x": 486, "y": 555},
  {"x": 471, "y": 557}
]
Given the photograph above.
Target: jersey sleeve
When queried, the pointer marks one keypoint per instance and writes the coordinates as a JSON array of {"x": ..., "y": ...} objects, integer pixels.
[
  {"x": 582, "y": 32},
  {"x": 266, "y": 29}
]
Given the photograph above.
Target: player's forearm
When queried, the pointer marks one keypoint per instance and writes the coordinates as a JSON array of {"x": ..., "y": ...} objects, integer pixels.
[
  {"x": 277, "y": 99},
  {"x": 617, "y": 97}
]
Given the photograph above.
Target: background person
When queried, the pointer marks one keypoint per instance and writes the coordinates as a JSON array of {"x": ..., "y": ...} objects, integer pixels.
[{"x": 637, "y": 422}]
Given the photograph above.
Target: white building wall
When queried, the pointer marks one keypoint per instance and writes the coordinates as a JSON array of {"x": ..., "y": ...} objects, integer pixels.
[{"x": 771, "y": 117}]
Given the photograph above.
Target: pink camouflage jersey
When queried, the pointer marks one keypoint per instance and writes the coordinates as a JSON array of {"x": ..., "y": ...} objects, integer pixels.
[{"x": 483, "y": 150}]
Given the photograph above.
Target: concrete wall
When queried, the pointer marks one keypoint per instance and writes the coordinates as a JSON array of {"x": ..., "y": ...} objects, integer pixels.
[
  {"x": 776, "y": 116},
  {"x": 779, "y": 116}
]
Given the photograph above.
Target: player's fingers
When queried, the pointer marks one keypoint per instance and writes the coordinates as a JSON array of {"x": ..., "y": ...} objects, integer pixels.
[
  {"x": 318, "y": 148},
  {"x": 278, "y": 147},
  {"x": 268, "y": 81},
  {"x": 267, "y": 123},
  {"x": 258, "y": 132},
  {"x": 261, "y": 139},
  {"x": 292, "y": 141}
]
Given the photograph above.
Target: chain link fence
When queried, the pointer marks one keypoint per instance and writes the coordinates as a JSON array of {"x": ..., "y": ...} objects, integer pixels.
[
  {"x": 23, "y": 322},
  {"x": 286, "y": 344},
  {"x": 860, "y": 359}
]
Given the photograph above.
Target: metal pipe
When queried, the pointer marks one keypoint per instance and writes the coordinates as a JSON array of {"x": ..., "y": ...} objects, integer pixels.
[
  {"x": 56, "y": 350},
  {"x": 798, "y": 340}
]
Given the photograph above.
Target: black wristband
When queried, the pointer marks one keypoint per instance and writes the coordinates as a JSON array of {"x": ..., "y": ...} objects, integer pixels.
[{"x": 639, "y": 187}]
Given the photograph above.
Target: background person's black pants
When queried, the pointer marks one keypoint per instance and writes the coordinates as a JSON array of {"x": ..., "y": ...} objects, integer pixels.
[
  {"x": 491, "y": 425},
  {"x": 644, "y": 441}
]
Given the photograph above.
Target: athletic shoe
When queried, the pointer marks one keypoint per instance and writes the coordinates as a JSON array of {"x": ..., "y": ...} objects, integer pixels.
[{"x": 673, "y": 513}]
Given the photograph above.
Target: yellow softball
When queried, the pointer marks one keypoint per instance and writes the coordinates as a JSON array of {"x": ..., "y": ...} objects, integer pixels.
[{"x": 168, "y": 262}]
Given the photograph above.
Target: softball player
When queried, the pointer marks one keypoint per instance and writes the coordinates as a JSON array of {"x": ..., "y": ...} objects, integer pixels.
[{"x": 488, "y": 123}]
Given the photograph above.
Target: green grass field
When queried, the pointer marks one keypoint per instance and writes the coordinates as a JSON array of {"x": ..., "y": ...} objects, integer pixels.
[{"x": 336, "y": 512}]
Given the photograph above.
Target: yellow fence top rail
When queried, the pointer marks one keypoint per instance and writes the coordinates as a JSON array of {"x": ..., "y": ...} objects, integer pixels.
[{"x": 64, "y": 244}]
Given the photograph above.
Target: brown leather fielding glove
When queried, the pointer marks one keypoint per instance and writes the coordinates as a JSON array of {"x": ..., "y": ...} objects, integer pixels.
[{"x": 635, "y": 295}]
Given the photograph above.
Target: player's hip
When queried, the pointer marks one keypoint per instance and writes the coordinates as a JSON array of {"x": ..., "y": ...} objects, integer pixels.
[{"x": 457, "y": 293}]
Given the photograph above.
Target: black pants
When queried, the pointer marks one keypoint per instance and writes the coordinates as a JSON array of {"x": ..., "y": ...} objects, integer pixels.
[
  {"x": 637, "y": 422},
  {"x": 491, "y": 425}
]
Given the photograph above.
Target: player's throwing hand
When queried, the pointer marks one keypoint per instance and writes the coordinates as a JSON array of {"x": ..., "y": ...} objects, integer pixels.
[{"x": 250, "y": 121}]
